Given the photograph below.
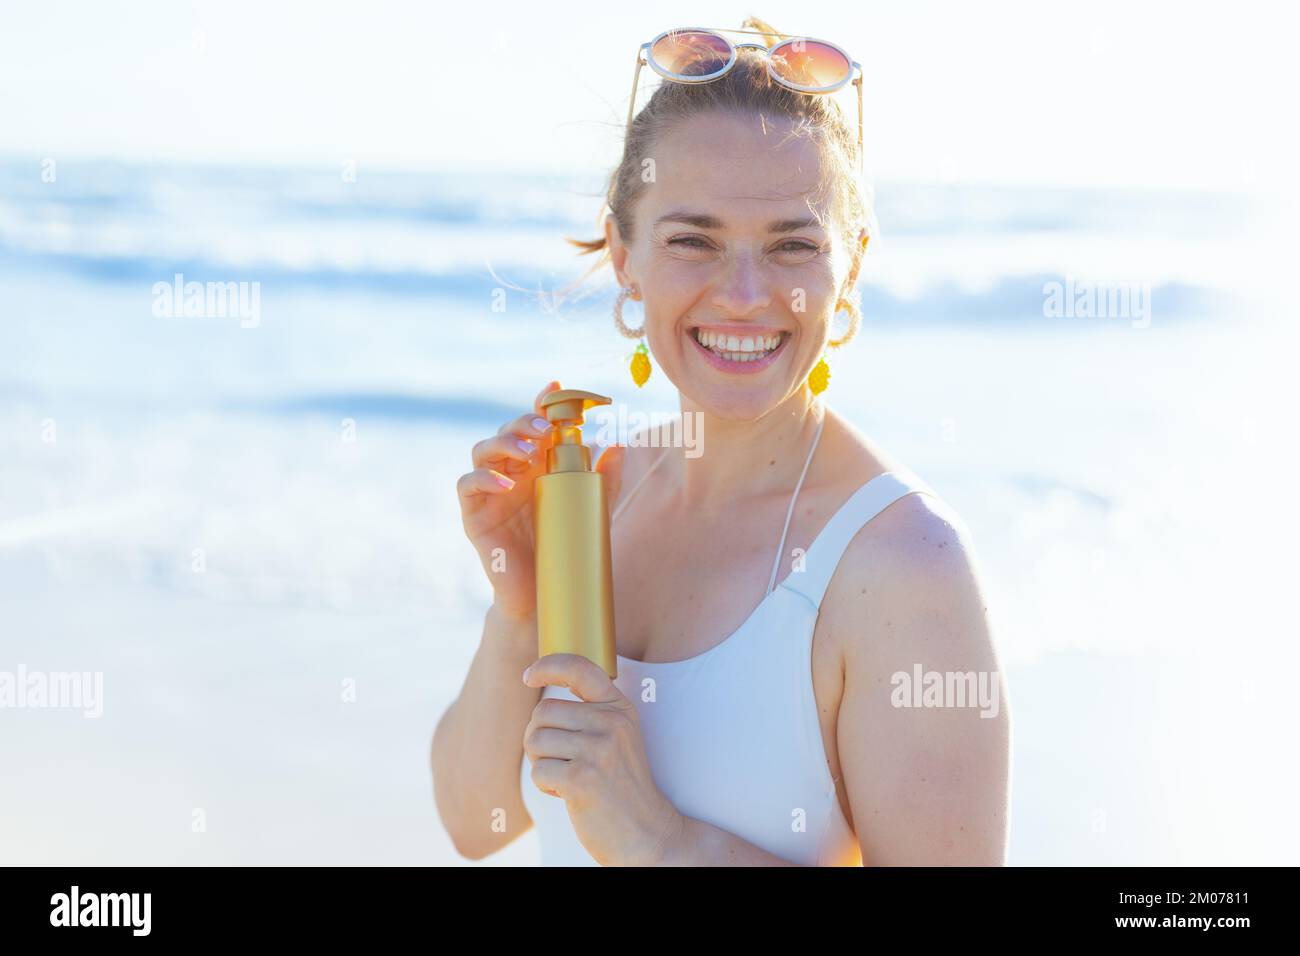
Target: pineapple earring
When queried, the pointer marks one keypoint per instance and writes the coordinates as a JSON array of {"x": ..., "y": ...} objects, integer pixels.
[
  {"x": 641, "y": 357},
  {"x": 820, "y": 376}
]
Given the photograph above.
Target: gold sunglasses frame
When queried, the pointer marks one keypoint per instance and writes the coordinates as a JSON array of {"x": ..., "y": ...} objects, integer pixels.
[{"x": 643, "y": 58}]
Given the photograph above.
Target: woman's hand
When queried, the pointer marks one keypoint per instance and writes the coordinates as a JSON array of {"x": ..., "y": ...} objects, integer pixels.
[
  {"x": 590, "y": 754},
  {"x": 496, "y": 504}
]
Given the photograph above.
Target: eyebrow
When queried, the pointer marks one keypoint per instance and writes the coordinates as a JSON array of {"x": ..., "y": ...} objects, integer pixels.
[{"x": 703, "y": 221}]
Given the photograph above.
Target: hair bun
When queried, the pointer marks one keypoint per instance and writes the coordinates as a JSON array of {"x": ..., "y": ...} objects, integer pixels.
[{"x": 770, "y": 34}]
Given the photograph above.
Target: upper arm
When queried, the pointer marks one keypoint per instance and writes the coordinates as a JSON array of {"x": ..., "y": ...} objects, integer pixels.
[{"x": 928, "y": 785}]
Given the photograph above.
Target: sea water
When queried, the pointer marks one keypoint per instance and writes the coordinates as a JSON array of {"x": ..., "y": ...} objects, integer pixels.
[{"x": 250, "y": 530}]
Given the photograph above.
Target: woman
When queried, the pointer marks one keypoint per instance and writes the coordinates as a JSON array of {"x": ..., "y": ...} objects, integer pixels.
[{"x": 764, "y": 711}]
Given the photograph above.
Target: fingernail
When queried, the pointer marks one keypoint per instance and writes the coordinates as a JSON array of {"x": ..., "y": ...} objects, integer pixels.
[
  {"x": 504, "y": 482},
  {"x": 526, "y": 672},
  {"x": 526, "y": 446}
]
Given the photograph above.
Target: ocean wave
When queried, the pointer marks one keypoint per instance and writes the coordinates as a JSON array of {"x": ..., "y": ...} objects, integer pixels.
[
  {"x": 460, "y": 197},
  {"x": 987, "y": 254},
  {"x": 1010, "y": 298}
]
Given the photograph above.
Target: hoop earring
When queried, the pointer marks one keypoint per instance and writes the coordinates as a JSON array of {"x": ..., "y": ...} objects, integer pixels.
[
  {"x": 640, "y": 357},
  {"x": 855, "y": 321},
  {"x": 820, "y": 377}
]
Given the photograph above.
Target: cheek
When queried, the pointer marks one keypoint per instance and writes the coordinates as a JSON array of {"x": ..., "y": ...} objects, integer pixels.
[
  {"x": 819, "y": 301},
  {"x": 675, "y": 279},
  {"x": 677, "y": 290},
  {"x": 665, "y": 333},
  {"x": 817, "y": 279}
]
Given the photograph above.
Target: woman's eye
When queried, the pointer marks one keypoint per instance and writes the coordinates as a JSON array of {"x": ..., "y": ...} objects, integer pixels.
[
  {"x": 794, "y": 246},
  {"x": 797, "y": 245}
]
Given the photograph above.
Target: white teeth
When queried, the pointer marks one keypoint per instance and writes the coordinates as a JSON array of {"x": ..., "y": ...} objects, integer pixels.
[{"x": 738, "y": 349}]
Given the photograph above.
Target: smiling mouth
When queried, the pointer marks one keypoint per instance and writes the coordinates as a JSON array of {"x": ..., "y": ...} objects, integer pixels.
[{"x": 741, "y": 349}]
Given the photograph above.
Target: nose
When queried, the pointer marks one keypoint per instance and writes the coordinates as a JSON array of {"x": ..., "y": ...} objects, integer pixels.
[{"x": 741, "y": 289}]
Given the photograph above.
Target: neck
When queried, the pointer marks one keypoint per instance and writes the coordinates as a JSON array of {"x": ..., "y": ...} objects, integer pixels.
[{"x": 748, "y": 460}]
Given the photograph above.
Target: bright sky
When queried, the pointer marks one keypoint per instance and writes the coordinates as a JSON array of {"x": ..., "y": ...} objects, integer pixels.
[{"x": 1114, "y": 93}]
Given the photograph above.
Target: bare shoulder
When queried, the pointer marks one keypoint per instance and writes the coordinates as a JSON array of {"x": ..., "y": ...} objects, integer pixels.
[
  {"x": 909, "y": 584},
  {"x": 911, "y": 575},
  {"x": 918, "y": 541}
]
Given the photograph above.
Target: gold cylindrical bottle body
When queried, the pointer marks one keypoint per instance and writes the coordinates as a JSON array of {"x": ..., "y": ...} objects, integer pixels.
[{"x": 575, "y": 579}]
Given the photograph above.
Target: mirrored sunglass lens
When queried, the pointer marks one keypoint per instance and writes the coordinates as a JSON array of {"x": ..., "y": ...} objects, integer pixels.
[
  {"x": 691, "y": 54},
  {"x": 809, "y": 63}
]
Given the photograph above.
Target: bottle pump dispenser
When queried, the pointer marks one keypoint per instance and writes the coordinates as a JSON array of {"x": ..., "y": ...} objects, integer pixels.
[{"x": 575, "y": 582}]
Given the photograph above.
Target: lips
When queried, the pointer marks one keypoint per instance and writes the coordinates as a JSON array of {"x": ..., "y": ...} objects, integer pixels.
[{"x": 743, "y": 351}]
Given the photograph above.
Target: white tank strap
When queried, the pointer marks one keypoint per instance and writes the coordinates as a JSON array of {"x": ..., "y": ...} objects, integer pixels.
[
  {"x": 625, "y": 498},
  {"x": 823, "y": 556},
  {"x": 780, "y": 548}
]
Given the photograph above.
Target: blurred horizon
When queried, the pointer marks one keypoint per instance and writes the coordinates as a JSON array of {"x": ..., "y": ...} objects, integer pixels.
[{"x": 1202, "y": 254}]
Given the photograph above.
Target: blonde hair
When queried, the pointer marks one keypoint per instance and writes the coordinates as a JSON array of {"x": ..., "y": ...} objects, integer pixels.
[{"x": 745, "y": 89}]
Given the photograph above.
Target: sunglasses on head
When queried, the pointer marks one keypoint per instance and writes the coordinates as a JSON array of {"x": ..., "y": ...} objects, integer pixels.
[{"x": 702, "y": 54}]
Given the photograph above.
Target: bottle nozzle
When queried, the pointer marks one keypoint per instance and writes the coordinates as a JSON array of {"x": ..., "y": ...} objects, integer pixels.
[
  {"x": 564, "y": 409},
  {"x": 567, "y": 405}
]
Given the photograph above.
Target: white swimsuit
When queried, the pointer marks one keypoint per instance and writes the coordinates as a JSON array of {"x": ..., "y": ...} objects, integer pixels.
[{"x": 732, "y": 734}]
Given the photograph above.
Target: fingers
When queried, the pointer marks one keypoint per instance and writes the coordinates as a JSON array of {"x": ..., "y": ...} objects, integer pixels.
[
  {"x": 582, "y": 676},
  {"x": 549, "y": 775},
  {"x": 543, "y": 743},
  {"x": 499, "y": 449},
  {"x": 483, "y": 481},
  {"x": 516, "y": 439},
  {"x": 561, "y": 714},
  {"x": 537, "y": 402},
  {"x": 513, "y": 450},
  {"x": 528, "y": 425}
]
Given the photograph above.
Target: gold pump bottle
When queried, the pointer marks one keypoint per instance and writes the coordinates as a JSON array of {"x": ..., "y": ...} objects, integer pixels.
[{"x": 575, "y": 580}]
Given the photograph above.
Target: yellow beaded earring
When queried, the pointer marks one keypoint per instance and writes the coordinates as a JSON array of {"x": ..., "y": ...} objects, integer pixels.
[
  {"x": 641, "y": 365},
  {"x": 820, "y": 376},
  {"x": 640, "y": 357}
]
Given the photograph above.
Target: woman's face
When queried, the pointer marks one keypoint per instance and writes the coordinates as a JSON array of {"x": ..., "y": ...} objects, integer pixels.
[{"x": 738, "y": 279}]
